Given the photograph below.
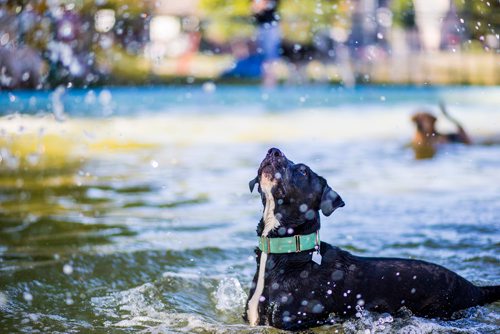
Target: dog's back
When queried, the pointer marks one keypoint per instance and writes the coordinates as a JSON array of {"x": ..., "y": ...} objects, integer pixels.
[{"x": 299, "y": 293}]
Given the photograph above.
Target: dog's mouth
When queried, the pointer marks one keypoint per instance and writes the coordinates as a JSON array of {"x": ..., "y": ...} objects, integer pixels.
[
  {"x": 267, "y": 168},
  {"x": 273, "y": 166}
]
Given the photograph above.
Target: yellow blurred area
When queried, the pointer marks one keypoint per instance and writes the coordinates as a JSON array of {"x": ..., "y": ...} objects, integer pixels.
[{"x": 35, "y": 145}]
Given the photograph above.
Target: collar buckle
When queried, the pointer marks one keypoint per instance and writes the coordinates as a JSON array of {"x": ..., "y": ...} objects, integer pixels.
[
  {"x": 265, "y": 244},
  {"x": 297, "y": 243}
]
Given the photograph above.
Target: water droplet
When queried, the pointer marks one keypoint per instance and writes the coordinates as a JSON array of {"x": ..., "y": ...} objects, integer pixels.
[
  {"x": 105, "y": 97},
  {"x": 154, "y": 163},
  {"x": 3, "y": 299},
  {"x": 303, "y": 208},
  {"x": 310, "y": 214},
  {"x": 67, "y": 269},
  {"x": 318, "y": 308},
  {"x": 209, "y": 87},
  {"x": 4, "y": 39},
  {"x": 90, "y": 97},
  {"x": 27, "y": 296}
]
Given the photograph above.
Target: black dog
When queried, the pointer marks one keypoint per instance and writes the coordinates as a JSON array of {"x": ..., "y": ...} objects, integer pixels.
[{"x": 300, "y": 281}]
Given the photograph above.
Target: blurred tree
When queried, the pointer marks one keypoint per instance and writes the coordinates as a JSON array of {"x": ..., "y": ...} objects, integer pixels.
[
  {"x": 121, "y": 7},
  {"x": 224, "y": 20},
  {"x": 220, "y": 8},
  {"x": 64, "y": 35},
  {"x": 481, "y": 19},
  {"x": 301, "y": 19},
  {"x": 403, "y": 13}
]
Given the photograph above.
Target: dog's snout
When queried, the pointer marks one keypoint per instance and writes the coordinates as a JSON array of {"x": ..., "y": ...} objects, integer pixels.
[
  {"x": 274, "y": 162},
  {"x": 274, "y": 152}
]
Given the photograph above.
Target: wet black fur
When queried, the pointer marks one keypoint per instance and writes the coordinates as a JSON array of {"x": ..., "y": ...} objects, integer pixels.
[{"x": 300, "y": 294}]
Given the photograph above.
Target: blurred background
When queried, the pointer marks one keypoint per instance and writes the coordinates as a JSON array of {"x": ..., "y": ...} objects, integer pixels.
[
  {"x": 86, "y": 43},
  {"x": 129, "y": 131}
]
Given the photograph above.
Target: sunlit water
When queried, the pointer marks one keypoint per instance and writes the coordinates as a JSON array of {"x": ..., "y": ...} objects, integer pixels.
[{"x": 128, "y": 210}]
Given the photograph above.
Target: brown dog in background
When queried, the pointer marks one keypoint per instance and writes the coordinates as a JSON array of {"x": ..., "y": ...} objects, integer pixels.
[{"x": 427, "y": 138}]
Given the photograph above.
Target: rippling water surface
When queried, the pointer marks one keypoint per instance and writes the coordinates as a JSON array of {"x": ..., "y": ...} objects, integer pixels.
[{"x": 128, "y": 210}]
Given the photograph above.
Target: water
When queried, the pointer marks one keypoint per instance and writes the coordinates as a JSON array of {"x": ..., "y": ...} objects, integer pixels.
[{"x": 128, "y": 210}]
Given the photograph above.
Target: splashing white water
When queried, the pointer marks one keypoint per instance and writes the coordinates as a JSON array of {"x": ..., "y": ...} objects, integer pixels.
[{"x": 229, "y": 295}]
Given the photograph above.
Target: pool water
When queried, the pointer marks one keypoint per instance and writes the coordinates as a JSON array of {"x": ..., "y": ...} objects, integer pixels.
[{"x": 128, "y": 209}]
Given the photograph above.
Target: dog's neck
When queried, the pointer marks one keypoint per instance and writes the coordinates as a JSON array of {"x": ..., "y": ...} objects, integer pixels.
[
  {"x": 300, "y": 227},
  {"x": 277, "y": 222},
  {"x": 269, "y": 220}
]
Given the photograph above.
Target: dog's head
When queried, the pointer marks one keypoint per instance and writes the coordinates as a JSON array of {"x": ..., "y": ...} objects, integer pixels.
[
  {"x": 298, "y": 192},
  {"x": 425, "y": 122}
]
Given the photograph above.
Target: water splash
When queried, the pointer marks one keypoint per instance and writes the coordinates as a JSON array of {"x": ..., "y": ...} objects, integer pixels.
[
  {"x": 230, "y": 295},
  {"x": 57, "y": 104}
]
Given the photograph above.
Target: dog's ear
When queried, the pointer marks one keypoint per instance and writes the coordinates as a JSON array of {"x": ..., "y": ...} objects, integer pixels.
[
  {"x": 330, "y": 201},
  {"x": 252, "y": 183}
]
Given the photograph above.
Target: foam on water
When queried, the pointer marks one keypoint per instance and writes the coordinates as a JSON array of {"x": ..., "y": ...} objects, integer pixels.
[
  {"x": 152, "y": 307},
  {"x": 230, "y": 296},
  {"x": 140, "y": 308}
]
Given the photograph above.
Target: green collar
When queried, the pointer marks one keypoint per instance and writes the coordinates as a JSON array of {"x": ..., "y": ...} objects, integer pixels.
[{"x": 293, "y": 244}]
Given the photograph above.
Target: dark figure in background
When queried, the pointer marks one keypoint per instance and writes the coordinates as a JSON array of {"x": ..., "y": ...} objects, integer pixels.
[
  {"x": 268, "y": 36},
  {"x": 427, "y": 139}
]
